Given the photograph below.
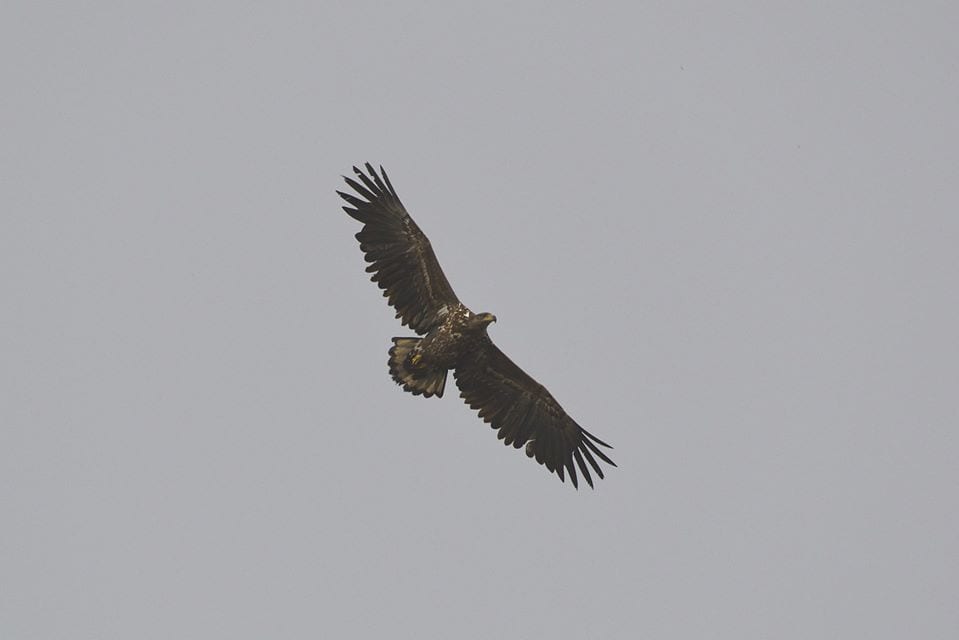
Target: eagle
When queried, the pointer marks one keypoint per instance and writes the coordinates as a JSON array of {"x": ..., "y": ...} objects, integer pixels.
[{"x": 451, "y": 337}]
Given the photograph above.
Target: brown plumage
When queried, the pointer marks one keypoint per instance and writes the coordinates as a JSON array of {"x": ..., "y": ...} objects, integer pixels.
[{"x": 454, "y": 338}]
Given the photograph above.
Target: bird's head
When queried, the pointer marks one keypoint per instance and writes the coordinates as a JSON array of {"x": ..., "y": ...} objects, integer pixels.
[{"x": 483, "y": 320}]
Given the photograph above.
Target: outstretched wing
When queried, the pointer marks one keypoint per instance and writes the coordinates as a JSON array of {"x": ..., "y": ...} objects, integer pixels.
[
  {"x": 525, "y": 413},
  {"x": 402, "y": 260}
]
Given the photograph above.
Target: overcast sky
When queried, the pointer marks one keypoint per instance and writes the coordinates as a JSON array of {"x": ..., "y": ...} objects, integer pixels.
[{"x": 724, "y": 238}]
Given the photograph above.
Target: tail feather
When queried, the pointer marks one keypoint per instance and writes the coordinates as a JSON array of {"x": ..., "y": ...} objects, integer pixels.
[{"x": 418, "y": 381}]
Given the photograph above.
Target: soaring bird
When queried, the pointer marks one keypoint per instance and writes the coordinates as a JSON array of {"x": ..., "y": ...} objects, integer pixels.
[{"x": 454, "y": 338}]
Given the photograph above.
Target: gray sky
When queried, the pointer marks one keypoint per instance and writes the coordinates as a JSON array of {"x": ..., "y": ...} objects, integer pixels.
[{"x": 725, "y": 239}]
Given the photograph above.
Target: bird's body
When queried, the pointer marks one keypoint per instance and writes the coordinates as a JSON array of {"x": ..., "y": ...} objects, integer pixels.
[
  {"x": 454, "y": 338},
  {"x": 450, "y": 341},
  {"x": 420, "y": 364}
]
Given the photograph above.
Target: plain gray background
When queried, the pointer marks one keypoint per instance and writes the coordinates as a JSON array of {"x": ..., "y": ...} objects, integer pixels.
[{"x": 724, "y": 238}]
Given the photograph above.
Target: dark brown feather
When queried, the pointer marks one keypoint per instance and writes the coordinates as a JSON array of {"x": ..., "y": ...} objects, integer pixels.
[
  {"x": 525, "y": 413},
  {"x": 403, "y": 262}
]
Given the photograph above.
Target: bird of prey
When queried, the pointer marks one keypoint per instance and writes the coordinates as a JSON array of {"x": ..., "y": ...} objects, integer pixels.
[{"x": 453, "y": 337}]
